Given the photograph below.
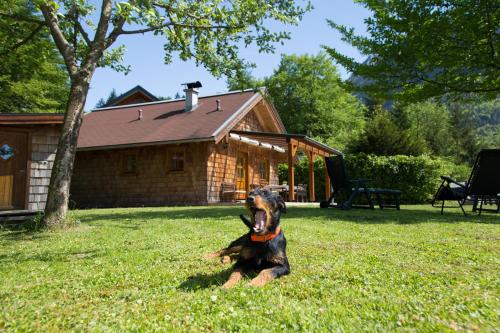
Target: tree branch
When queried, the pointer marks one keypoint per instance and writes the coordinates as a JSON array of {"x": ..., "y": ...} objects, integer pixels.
[
  {"x": 457, "y": 89},
  {"x": 99, "y": 44},
  {"x": 62, "y": 44},
  {"x": 82, "y": 32},
  {"x": 22, "y": 18},
  {"x": 25, "y": 40}
]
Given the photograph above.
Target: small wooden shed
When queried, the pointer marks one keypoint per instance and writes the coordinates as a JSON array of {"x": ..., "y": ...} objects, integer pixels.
[{"x": 28, "y": 144}]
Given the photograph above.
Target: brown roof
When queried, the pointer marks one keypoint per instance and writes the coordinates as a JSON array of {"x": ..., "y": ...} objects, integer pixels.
[
  {"x": 164, "y": 121},
  {"x": 30, "y": 118}
]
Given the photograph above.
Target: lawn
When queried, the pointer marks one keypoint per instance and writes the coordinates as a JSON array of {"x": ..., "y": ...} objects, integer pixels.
[{"x": 142, "y": 270}]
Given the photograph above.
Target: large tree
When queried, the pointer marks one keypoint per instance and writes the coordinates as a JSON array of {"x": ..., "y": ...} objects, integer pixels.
[
  {"x": 32, "y": 74},
  {"x": 307, "y": 92},
  {"x": 208, "y": 31},
  {"x": 423, "y": 48}
]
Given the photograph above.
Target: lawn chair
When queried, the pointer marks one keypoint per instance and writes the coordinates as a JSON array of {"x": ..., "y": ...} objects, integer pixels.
[
  {"x": 346, "y": 190},
  {"x": 483, "y": 184}
]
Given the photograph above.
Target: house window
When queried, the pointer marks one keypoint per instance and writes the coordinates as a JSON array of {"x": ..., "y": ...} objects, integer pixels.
[
  {"x": 176, "y": 161},
  {"x": 264, "y": 171},
  {"x": 130, "y": 164}
]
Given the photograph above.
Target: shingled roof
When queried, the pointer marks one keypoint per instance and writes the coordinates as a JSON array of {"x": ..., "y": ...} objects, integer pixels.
[{"x": 166, "y": 122}]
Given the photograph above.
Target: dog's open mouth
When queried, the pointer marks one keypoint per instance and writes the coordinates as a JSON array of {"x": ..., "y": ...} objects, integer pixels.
[{"x": 260, "y": 220}]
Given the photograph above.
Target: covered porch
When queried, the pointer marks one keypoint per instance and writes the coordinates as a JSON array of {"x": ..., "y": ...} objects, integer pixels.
[{"x": 290, "y": 145}]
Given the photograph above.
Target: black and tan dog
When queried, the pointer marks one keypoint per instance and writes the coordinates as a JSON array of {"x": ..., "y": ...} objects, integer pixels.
[{"x": 263, "y": 248}]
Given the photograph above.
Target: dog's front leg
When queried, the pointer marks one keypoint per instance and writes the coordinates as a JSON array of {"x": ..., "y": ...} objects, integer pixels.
[
  {"x": 268, "y": 274},
  {"x": 234, "y": 278},
  {"x": 234, "y": 247}
]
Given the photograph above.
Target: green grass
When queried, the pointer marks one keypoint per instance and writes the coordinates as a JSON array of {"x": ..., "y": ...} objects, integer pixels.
[{"x": 142, "y": 270}]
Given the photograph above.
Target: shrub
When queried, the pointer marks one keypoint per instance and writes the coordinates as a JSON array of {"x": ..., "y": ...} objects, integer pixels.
[{"x": 416, "y": 176}]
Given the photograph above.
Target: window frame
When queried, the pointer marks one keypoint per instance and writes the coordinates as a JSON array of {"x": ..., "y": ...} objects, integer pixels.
[
  {"x": 170, "y": 155},
  {"x": 125, "y": 163},
  {"x": 267, "y": 167}
]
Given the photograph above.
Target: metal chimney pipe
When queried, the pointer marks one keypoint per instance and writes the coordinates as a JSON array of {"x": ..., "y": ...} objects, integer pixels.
[
  {"x": 140, "y": 114},
  {"x": 218, "y": 105}
]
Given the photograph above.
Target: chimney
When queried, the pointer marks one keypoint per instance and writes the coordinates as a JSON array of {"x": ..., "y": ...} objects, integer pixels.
[
  {"x": 140, "y": 115},
  {"x": 191, "y": 92}
]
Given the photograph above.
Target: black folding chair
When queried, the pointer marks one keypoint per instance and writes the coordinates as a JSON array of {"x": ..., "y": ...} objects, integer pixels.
[
  {"x": 345, "y": 190},
  {"x": 483, "y": 184}
]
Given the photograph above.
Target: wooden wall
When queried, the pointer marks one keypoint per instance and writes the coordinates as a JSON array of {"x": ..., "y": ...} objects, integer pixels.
[
  {"x": 44, "y": 141},
  {"x": 222, "y": 160},
  {"x": 99, "y": 180}
]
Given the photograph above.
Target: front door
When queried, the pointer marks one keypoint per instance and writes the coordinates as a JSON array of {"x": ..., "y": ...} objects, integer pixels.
[
  {"x": 241, "y": 176},
  {"x": 13, "y": 162}
]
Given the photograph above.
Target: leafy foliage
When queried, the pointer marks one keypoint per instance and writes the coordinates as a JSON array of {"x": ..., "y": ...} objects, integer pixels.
[
  {"x": 382, "y": 136},
  {"x": 416, "y": 176},
  {"x": 419, "y": 49},
  {"x": 244, "y": 81},
  {"x": 32, "y": 77},
  {"x": 306, "y": 91},
  {"x": 431, "y": 122}
]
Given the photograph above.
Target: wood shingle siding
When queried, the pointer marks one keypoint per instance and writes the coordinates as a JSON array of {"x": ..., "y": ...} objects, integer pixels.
[
  {"x": 98, "y": 180},
  {"x": 43, "y": 153}
]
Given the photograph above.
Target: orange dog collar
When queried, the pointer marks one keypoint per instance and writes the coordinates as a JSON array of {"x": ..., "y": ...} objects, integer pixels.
[{"x": 265, "y": 237}]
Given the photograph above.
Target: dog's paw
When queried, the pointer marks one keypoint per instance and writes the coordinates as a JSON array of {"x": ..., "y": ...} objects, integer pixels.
[
  {"x": 210, "y": 256},
  {"x": 229, "y": 284},
  {"x": 225, "y": 260},
  {"x": 256, "y": 283},
  {"x": 261, "y": 279}
]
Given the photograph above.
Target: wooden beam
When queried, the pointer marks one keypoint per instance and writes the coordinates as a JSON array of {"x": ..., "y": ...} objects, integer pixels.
[
  {"x": 327, "y": 183},
  {"x": 292, "y": 149},
  {"x": 311, "y": 157}
]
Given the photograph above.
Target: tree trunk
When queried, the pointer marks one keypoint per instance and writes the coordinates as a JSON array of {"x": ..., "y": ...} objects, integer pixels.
[{"x": 60, "y": 181}]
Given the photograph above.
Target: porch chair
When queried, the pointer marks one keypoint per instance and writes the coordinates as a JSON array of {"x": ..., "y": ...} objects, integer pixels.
[
  {"x": 345, "y": 190},
  {"x": 227, "y": 192},
  {"x": 483, "y": 184}
]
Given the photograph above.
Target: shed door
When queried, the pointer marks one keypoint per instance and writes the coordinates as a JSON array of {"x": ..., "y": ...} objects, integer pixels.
[
  {"x": 241, "y": 176},
  {"x": 13, "y": 163}
]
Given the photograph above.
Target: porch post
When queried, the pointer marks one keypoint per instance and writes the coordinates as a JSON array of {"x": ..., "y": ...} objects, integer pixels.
[
  {"x": 291, "y": 175},
  {"x": 327, "y": 183},
  {"x": 311, "y": 177}
]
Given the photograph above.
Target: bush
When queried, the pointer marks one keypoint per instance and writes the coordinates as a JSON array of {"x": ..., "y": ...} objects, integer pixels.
[{"x": 416, "y": 176}]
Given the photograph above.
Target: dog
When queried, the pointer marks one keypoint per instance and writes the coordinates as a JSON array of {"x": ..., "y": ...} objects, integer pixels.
[{"x": 263, "y": 248}]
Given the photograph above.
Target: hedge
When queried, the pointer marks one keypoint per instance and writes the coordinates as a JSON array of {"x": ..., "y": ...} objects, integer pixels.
[{"x": 416, "y": 176}]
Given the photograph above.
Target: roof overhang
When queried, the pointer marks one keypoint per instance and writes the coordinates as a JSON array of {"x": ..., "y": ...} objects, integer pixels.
[
  {"x": 31, "y": 118},
  {"x": 284, "y": 140},
  {"x": 146, "y": 144}
]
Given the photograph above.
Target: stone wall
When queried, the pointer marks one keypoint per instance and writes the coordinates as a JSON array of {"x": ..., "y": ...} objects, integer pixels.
[
  {"x": 44, "y": 141},
  {"x": 99, "y": 179}
]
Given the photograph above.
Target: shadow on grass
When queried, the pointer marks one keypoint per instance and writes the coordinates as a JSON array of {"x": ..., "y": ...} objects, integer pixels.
[
  {"x": 136, "y": 218},
  {"x": 202, "y": 281},
  {"x": 50, "y": 256},
  {"x": 407, "y": 215}
]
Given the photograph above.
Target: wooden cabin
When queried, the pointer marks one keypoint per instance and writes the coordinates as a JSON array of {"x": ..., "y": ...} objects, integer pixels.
[
  {"x": 28, "y": 145},
  {"x": 197, "y": 150}
]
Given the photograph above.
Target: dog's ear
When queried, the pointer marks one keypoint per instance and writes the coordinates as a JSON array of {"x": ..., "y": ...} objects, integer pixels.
[{"x": 281, "y": 204}]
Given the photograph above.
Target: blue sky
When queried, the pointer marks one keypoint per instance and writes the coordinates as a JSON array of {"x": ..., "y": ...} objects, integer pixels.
[{"x": 145, "y": 55}]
